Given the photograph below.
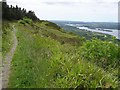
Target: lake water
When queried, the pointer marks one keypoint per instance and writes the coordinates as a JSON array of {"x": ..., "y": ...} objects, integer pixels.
[{"x": 113, "y": 32}]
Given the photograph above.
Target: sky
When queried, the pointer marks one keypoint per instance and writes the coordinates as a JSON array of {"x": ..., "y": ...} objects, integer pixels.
[{"x": 72, "y": 10}]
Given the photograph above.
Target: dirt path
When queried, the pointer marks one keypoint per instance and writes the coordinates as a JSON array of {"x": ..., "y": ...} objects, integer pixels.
[{"x": 8, "y": 59}]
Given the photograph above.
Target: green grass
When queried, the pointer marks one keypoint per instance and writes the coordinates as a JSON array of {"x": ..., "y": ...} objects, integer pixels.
[
  {"x": 43, "y": 61},
  {"x": 32, "y": 60},
  {"x": 7, "y": 37},
  {"x": 59, "y": 35}
]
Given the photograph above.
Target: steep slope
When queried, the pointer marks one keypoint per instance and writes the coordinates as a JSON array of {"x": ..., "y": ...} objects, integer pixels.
[{"x": 48, "y": 57}]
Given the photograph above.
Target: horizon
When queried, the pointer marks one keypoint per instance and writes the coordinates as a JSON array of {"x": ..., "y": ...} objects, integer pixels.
[
  {"x": 84, "y": 21},
  {"x": 74, "y": 10}
]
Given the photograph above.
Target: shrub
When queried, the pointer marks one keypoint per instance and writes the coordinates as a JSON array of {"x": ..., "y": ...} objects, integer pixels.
[
  {"x": 21, "y": 22},
  {"x": 103, "y": 53},
  {"x": 72, "y": 72},
  {"x": 25, "y": 20}
]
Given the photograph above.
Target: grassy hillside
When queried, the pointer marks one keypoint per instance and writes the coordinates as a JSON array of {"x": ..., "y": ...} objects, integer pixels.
[{"x": 49, "y": 57}]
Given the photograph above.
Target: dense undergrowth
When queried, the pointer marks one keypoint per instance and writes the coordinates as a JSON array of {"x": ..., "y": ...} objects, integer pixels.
[{"x": 48, "y": 57}]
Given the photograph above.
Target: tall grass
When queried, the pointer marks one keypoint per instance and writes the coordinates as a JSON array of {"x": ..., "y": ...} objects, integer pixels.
[
  {"x": 41, "y": 61},
  {"x": 31, "y": 62},
  {"x": 7, "y": 37}
]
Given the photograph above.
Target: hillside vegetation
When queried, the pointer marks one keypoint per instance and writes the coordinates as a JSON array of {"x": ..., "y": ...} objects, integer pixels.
[
  {"x": 49, "y": 57},
  {"x": 7, "y": 39}
]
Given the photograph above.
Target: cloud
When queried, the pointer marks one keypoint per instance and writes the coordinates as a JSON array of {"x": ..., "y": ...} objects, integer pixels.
[
  {"x": 83, "y": 10},
  {"x": 60, "y": 3},
  {"x": 52, "y": 2},
  {"x": 26, "y": 2},
  {"x": 63, "y": 2}
]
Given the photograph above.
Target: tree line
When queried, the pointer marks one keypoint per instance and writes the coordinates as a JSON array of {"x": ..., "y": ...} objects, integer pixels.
[{"x": 16, "y": 13}]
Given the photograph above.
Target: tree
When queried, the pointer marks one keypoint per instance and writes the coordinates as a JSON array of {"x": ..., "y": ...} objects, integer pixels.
[{"x": 16, "y": 13}]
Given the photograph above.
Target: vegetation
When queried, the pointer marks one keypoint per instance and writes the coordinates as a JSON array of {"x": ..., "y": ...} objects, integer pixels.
[
  {"x": 25, "y": 21},
  {"x": 42, "y": 61},
  {"x": 0, "y": 44},
  {"x": 105, "y": 57},
  {"x": 16, "y": 13},
  {"x": 7, "y": 38},
  {"x": 49, "y": 57},
  {"x": 53, "y": 25}
]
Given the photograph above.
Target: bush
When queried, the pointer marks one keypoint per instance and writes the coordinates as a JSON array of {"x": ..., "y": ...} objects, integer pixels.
[
  {"x": 72, "y": 72},
  {"x": 103, "y": 53},
  {"x": 21, "y": 22},
  {"x": 25, "y": 20}
]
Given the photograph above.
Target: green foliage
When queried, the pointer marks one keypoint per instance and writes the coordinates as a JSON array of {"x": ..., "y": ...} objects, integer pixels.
[
  {"x": 31, "y": 62},
  {"x": 48, "y": 58},
  {"x": 70, "y": 71},
  {"x": 21, "y": 22},
  {"x": 25, "y": 21},
  {"x": 16, "y": 13},
  {"x": 103, "y": 53},
  {"x": 81, "y": 75}
]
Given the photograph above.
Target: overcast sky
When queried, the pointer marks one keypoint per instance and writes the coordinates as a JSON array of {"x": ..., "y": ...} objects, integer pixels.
[{"x": 75, "y": 10}]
